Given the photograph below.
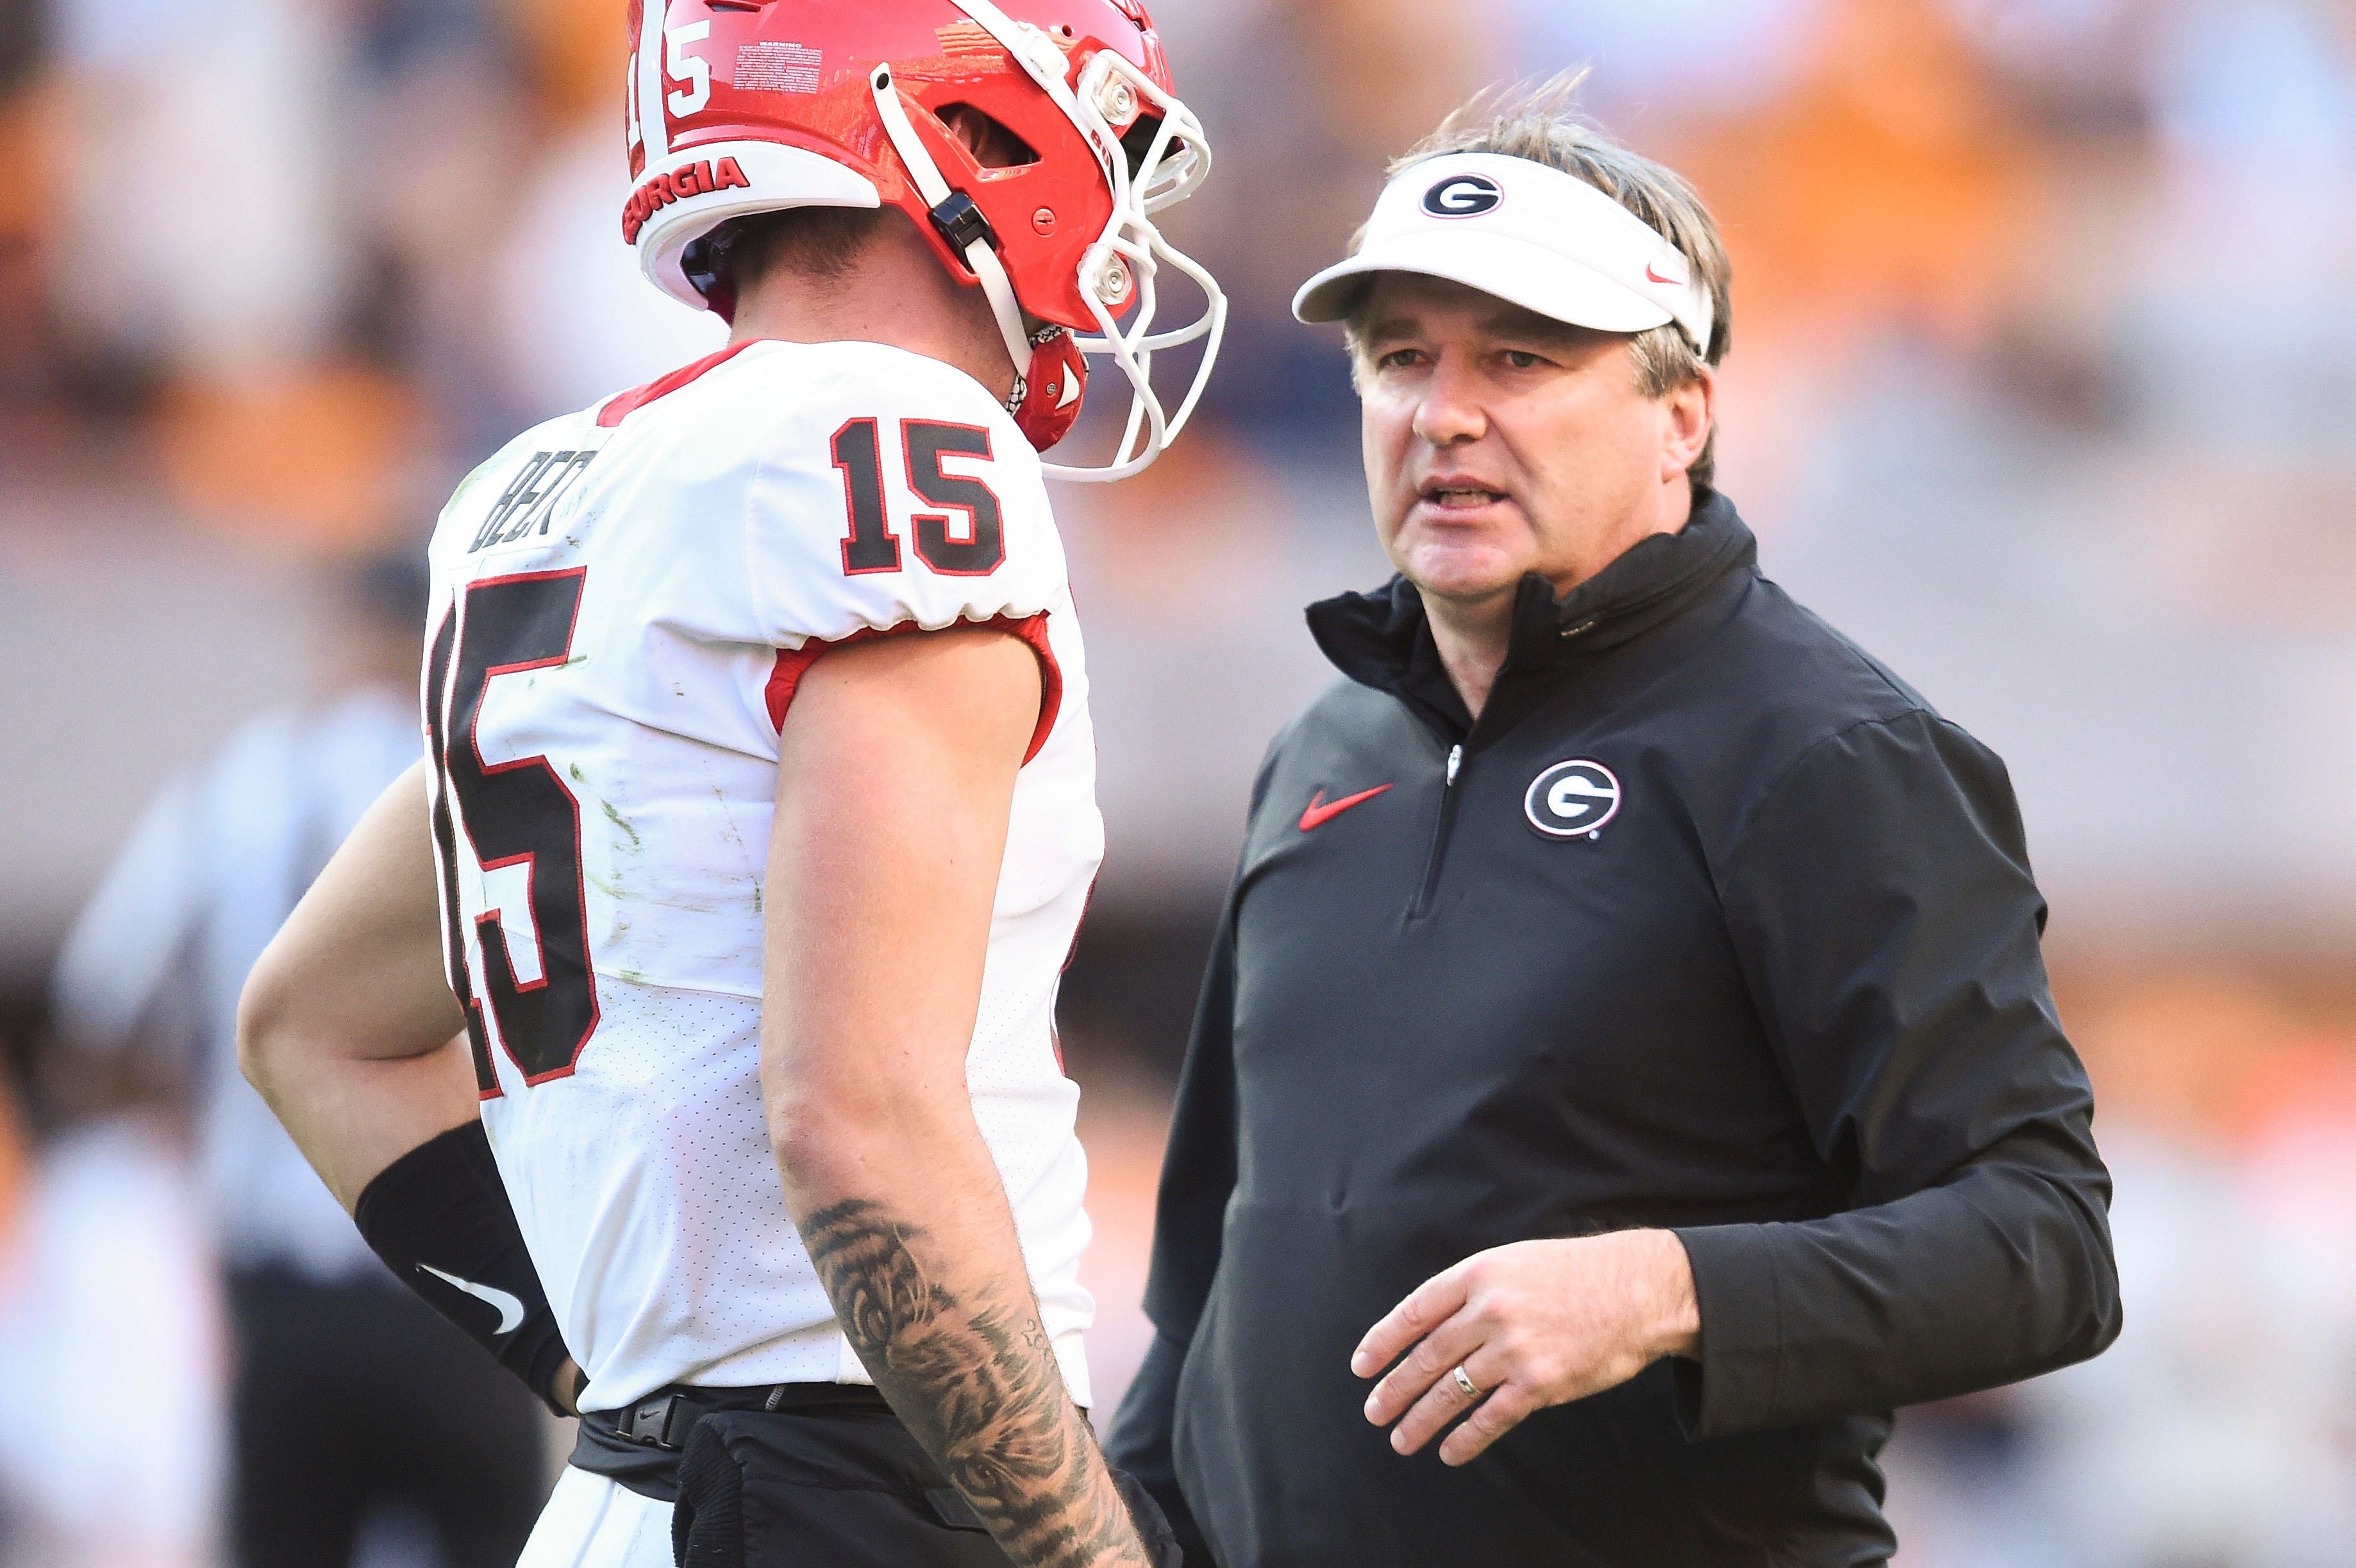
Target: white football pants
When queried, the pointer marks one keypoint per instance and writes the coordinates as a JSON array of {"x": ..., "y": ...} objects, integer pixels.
[{"x": 592, "y": 1523}]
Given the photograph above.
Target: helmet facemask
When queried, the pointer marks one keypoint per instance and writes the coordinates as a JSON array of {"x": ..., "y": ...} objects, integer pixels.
[{"x": 1124, "y": 262}]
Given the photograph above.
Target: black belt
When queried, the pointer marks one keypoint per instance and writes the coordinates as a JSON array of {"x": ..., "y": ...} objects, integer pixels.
[{"x": 638, "y": 1445}]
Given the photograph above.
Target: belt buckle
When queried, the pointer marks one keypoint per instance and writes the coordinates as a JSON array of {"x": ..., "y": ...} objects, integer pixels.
[{"x": 652, "y": 1420}]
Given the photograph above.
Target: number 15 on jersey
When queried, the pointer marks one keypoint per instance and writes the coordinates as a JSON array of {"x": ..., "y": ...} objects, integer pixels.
[{"x": 510, "y": 814}]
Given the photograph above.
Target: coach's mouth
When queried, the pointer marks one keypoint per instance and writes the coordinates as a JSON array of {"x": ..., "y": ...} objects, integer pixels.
[{"x": 1459, "y": 497}]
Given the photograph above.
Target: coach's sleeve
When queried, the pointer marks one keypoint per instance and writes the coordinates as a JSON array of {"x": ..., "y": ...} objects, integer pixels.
[{"x": 1881, "y": 902}]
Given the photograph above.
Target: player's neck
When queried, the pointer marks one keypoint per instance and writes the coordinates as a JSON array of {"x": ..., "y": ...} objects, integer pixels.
[{"x": 894, "y": 295}]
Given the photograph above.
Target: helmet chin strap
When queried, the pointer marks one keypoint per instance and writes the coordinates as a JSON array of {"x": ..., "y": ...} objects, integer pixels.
[
  {"x": 1055, "y": 363},
  {"x": 961, "y": 224},
  {"x": 1131, "y": 240}
]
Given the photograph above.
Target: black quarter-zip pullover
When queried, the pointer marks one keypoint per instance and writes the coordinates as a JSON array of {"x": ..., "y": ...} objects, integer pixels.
[{"x": 1708, "y": 922}]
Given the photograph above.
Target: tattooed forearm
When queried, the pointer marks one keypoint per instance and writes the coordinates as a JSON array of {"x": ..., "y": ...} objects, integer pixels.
[{"x": 973, "y": 1376}]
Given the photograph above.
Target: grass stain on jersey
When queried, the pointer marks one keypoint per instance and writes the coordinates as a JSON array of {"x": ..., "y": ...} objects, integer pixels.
[
  {"x": 623, "y": 896},
  {"x": 638, "y": 844},
  {"x": 578, "y": 776},
  {"x": 728, "y": 824},
  {"x": 470, "y": 481}
]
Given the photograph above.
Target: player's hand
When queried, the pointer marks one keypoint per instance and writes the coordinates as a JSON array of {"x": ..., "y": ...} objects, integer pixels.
[{"x": 1534, "y": 1323}]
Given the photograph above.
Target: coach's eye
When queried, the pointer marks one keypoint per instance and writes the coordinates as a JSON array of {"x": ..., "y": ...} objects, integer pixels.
[
  {"x": 1398, "y": 359},
  {"x": 1522, "y": 360}
]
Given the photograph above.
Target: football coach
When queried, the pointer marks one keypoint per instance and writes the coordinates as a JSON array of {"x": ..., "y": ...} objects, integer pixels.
[{"x": 1626, "y": 1070}]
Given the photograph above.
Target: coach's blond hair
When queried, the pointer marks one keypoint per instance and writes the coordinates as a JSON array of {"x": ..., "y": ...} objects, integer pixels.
[{"x": 1541, "y": 122}]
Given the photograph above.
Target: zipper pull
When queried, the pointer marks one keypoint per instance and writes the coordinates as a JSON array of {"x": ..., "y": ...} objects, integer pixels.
[{"x": 1455, "y": 761}]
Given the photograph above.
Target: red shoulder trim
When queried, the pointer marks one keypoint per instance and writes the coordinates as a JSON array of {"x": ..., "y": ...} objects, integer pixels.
[
  {"x": 622, "y": 405},
  {"x": 792, "y": 663}
]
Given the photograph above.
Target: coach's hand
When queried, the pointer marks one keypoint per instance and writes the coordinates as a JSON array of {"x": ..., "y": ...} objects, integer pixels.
[{"x": 1533, "y": 1324}]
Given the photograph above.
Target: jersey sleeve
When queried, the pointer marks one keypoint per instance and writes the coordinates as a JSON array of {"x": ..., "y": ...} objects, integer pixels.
[{"x": 893, "y": 495}]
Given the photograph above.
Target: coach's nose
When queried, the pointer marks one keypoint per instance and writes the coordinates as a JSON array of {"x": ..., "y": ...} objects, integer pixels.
[{"x": 1450, "y": 408}]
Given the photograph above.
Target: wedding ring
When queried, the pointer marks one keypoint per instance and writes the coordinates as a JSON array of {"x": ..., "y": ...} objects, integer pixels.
[{"x": 1464, "y": 1385}]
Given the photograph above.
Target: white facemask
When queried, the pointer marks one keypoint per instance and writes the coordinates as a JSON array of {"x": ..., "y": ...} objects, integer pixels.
[{"x": 1130, "y": 246}]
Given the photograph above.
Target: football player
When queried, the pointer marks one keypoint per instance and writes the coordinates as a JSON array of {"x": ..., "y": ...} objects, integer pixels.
[{"x": 759, "y": 816}]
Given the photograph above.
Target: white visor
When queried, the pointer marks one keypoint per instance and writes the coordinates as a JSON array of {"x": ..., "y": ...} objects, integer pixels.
[{"x": 1531, "y": 235}]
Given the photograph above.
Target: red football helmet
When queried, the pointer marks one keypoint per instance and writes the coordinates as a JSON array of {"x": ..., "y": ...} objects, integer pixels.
[{"x": 743, "y": 106}]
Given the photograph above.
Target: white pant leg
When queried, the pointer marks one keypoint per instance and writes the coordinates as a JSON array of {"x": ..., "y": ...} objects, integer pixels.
[{"x": 592, "y": 1523}]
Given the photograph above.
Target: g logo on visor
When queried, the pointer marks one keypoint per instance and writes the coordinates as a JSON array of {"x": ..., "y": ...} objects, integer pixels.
[
  {"x": 1571, "y": 800},
  {"x": 1463, "y": 195}
]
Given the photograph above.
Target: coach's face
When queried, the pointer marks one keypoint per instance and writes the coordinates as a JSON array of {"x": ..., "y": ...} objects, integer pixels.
[{"x": 1500, "y": 443}]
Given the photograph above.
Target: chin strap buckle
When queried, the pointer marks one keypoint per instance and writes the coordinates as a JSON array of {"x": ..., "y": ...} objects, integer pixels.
[{"x": 958, "y": 220}]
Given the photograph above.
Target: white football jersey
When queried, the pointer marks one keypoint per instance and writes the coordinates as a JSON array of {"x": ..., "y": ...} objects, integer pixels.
[{"x": 623, "y": 601}]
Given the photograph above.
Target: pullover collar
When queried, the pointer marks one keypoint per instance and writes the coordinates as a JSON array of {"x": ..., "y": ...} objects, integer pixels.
[{"x": 1383, "y": 639}]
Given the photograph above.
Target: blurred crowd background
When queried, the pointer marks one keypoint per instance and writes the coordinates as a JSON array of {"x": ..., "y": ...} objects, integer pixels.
[{"x": 2043, "y": 388}]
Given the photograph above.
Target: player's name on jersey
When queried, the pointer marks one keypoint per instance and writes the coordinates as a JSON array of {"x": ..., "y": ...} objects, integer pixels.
[{"x": 532, "y": 496}]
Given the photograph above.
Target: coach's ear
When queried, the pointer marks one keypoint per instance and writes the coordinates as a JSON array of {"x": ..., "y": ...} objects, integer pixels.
[{"x": 1688, "y": 415}]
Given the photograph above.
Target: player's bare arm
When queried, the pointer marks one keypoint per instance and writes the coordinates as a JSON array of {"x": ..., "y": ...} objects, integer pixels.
[
  {"x": 351, "y": 1031},
  {"x": 348, "y": 1027},
  {"x": 896, "y": 774}
]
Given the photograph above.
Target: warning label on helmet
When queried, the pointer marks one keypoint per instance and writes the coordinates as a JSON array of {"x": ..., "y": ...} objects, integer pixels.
[{"x": 772, "y": 66}]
